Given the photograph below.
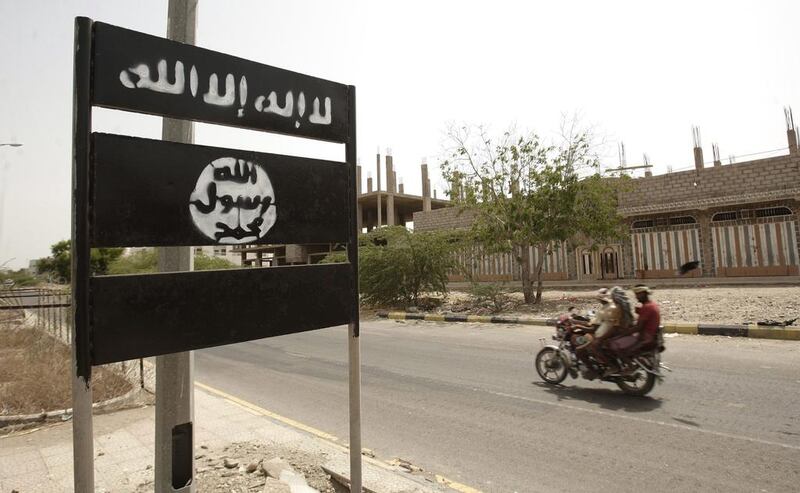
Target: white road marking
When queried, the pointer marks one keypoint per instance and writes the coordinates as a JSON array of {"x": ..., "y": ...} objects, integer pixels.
[{"x": 645, "y": 420}]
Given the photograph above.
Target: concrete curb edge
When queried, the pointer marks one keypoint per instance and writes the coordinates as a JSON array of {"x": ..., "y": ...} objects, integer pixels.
[{"x": 751, "y": 330}]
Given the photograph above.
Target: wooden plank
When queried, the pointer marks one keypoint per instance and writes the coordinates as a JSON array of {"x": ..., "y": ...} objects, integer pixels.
[
  {"x": 137, "y": 72},
  {"x": 156, "y": 193},
  {"x": 146, "y": 315}
]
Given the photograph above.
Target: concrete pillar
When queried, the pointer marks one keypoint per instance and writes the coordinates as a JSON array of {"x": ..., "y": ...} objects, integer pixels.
[
  {"x": 369, "y": 185},
  {"x": 400, "y": 189},
  {"x": 698, "y": 158},
  {"x": 389, "y": 189},
  {"x": 791, "y": 136},
  {"x": 379, "y": 211},
  {"x": 648, "y": 174},
  {"x": 378, "y": 169},
  {"x": 426, "y": 188},
  {"x": 706, "y": 246},
  {"x": 394, "y": 180}
]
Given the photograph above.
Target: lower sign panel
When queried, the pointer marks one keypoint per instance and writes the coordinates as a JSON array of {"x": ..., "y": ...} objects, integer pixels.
[{"x": 147, "y": 315}]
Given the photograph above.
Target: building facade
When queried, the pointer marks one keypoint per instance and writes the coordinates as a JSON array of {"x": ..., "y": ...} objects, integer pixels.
[{"x": 736, "y": 220}]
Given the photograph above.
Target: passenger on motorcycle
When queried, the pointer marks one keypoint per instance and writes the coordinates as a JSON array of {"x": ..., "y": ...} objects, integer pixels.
[
  {"x": 619, "y": 321},
  {"x": 613, "y": 319},
  {"x": 645, "y": 331}
]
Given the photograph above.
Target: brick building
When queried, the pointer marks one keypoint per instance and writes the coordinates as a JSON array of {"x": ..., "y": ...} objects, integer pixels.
[{"x": 739, "y": 219}]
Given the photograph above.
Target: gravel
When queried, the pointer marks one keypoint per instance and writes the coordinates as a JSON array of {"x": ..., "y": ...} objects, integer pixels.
[{"x": 721, "y": 305}]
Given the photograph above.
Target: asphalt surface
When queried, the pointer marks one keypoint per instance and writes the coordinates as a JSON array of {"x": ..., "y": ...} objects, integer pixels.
[{"x": 464, "y": 401}]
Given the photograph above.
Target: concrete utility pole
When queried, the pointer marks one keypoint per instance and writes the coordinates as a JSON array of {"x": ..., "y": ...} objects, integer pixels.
[{"x": 174, "y": 447}]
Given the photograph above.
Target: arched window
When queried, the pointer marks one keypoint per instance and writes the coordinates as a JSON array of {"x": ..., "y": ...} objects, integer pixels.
[
  {"x": 773, "y": 211},
  {"x": 644, "y": 223},
  {"x": 682, "y": 220},
  {"x": 724, "y": 216}
]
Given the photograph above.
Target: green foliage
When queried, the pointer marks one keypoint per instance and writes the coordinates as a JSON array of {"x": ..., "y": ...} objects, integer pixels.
[
  {"x": 140, "y": 262},
  {"x": 396, "y": 265},
  {"x": 20, "y": 278},
  {"x": 334, "y": 258},
  {"x": 204, "y": 262},
  {"x": 531, "y": 194},
  {"x": 146, "y": 261},
  {"x": 58, "y": 266},
  {"x": 491, "y": 295}
]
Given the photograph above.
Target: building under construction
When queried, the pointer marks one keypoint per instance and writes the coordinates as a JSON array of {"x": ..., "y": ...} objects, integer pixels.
[{"x": 384, "y": 203}]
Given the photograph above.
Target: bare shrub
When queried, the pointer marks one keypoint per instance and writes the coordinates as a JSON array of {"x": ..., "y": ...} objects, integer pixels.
[{"x": 36, "y": 370}]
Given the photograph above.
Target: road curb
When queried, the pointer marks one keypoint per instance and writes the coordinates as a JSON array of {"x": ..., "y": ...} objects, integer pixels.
[
  {"x": 107, "y": 405},
  {"x": 751, "y": 330}
]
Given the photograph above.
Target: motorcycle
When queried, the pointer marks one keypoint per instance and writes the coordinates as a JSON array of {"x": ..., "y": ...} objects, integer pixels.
[{"x": 636, "y": 375}]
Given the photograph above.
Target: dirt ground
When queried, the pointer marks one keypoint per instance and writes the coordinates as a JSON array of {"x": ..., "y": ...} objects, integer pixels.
[
  {"x": 237, "y": 469},
  {"x": 723, "y": 305}
]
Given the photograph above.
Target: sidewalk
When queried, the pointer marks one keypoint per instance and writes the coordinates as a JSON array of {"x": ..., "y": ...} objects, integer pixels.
[{"x": 41, "y": 461}]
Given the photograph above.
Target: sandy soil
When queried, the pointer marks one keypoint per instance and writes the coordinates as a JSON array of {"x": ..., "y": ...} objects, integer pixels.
[{"x": 726, "y": 305}]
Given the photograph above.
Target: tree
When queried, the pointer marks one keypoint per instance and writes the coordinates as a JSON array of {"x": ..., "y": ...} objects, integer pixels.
[
  {"x": 529, "y": 194},
  {"x": 204, "y": 262},
  {"x": 59, "y": 264},
  {"x": 397, "y": 265},
  {"x": 139, "y": 262}
]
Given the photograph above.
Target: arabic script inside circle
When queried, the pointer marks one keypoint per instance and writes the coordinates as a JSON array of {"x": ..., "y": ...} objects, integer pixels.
[{"x": 233, "y": 201}]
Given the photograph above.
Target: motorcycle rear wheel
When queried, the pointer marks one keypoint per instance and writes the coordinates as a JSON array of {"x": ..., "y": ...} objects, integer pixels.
[
  {"x": 642, "y": 385},
  {"x": 550, "y": 365}
]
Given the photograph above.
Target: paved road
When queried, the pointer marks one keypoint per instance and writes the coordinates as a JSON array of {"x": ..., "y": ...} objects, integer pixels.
[{"x": 463, "y": 400}]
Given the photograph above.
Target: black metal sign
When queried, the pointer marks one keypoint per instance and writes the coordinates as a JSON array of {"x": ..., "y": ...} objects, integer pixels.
[
  {"x": 148, "y": 74},
  {"x": 154, "y": 193},
  {"x": 138, "y": 192}
]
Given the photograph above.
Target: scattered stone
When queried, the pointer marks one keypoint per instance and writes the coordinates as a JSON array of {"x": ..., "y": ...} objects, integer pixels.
[
  {"x": 100, "y": 454},
  {"x": 274, "y": 486},
  {"x": 149, "y": 466},
  {"x": 204, "y": 447},
  {"x": 368, "y": 452},
  {"x": 199, "y": 456},
  {"x": 251, "y": 468},
  {"x": 230, "y": 464},
  {"x": 228, "y": 474},
  {"x": 407, "y": 465}
]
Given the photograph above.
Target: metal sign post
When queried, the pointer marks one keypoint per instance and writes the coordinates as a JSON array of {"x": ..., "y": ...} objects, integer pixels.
[
  {"x": 134, "y": 192},
  {"x": 174, "y": 440}
]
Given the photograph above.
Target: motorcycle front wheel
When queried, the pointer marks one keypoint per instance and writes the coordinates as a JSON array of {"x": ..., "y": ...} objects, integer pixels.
[{"x": 551, "y": 366}]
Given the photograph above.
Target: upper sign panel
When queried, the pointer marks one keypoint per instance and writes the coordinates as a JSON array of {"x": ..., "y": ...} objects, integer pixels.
[{"x": 138, "y": 72}]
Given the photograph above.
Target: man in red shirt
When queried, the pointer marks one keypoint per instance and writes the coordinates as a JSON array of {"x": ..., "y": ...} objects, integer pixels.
[{"x": 649, "y": 318}]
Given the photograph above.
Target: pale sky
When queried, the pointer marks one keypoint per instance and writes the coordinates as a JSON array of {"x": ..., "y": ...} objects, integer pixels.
[{"x": 641, "y": 72}]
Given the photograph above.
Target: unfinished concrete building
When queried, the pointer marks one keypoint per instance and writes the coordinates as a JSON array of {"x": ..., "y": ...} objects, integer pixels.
[{"x": 384, "y": 203}]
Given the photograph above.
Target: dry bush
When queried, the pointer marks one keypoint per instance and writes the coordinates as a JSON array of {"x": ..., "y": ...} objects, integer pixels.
[{"x": 36, "y": 373}]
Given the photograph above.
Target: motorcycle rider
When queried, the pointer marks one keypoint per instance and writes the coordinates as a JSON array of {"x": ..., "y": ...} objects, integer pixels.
[{"x": 583, "y": 342}]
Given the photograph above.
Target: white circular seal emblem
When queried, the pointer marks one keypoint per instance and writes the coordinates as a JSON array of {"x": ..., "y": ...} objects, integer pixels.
[{"x": 233, "y": 201}]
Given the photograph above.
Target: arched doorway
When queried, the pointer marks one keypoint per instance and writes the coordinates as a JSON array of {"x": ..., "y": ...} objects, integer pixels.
[{"x": 609, "y": 263}]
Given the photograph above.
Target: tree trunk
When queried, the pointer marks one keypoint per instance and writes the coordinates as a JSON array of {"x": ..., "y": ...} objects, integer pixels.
[
  {"x": 542, "y": 250},
  {"x": 525, "y": 264}
]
